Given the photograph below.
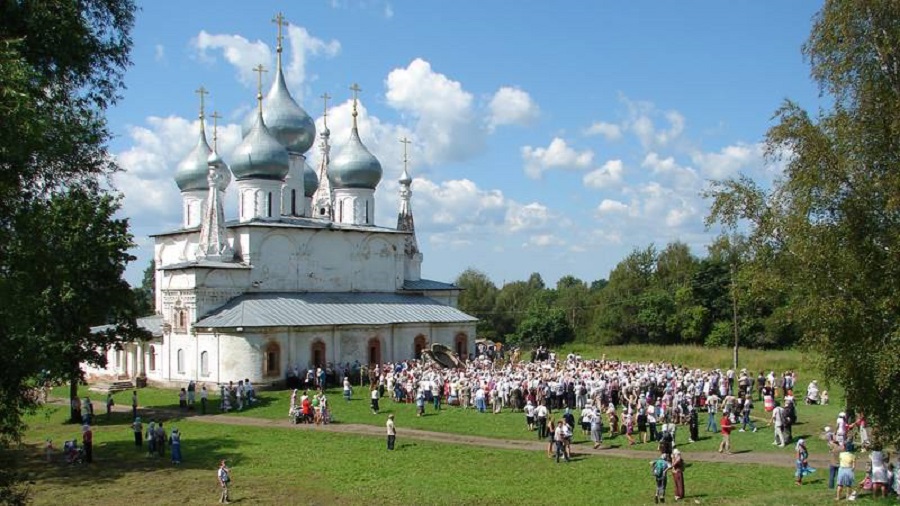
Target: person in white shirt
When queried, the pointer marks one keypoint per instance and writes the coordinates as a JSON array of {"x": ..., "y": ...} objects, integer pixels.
[
  {"x": 540, "y": 413},
  {"x": 529, "y": 415},
  {"x": 778, "y": 422},
  {"x": 391, "y": 432}
]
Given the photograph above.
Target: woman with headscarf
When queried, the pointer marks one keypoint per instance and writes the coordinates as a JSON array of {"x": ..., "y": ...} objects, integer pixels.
[{"x": 678, "y": 474}]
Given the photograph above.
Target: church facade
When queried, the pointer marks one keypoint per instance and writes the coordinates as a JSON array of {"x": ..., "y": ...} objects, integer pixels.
[{"x": 303, "y": 277}]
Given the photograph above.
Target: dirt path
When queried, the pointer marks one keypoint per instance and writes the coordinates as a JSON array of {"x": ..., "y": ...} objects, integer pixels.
[{"x": 747, "y": 457}]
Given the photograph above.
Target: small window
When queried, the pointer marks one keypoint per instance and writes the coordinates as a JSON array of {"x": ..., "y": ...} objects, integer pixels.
[
  {"x": 293, "y": 202},
  {"x": 204, "y": 363},
  {"x": 152, "y": 358},
  {"x": 180, "y": 361},
  {"x": 269, "y": 205},
  {"x": 118, "y": 359}
]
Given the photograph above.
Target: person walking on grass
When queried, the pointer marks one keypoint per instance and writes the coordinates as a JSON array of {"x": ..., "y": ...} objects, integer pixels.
[
  {"x": 596, "y": 428},
  {"x": 224, "y": 477},
  {"x": 374, "y": 396},
  {"x": 204, "y": 399},
  {"x": 109, "y": 404},
  {"x": 678, "y": 474},
  {"x": 725, "y": 429},
  {"x": 659, "y": 468},
  {"x": 134, "y": 404},
  {"x": 778, "y": 422},
  {"x": 802, "y": 461},
  {"x": 746, "y": 409},
  {"x": 391, "y": 432}
]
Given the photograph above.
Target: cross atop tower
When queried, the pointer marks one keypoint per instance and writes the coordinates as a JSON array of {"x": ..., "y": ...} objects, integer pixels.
[
  {"x": 406, "y": 142},
  {"x": 325, "y": 96},
  {"x": 281, "y": 22},
  {"x": 259, "y": 69},
  {"x": 355, "y": 89},
  {"x": 215, "y": 117},
  {"x": 201, "y": 91}
]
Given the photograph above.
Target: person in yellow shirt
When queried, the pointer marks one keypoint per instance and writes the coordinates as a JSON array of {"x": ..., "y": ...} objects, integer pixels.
[{"x": 846, "y": 479}]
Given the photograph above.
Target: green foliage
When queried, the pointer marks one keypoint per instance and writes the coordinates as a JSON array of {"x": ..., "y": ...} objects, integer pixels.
[
  {"x": 145, "y": 294},
  {"x": 61, "y": 66},
  {"x": 824, "y": 248},
  {"x": 478, "y": 297},
  {"x": 544, "y": 325}
]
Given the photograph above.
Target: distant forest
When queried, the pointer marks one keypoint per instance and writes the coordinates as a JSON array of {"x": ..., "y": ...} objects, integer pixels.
[{"x": 667, "y": 296}]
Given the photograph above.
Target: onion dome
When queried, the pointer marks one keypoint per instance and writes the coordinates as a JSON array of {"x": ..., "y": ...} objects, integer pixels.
[
  {"x": 404, "y": 178},
  {"x": 285, "y": 119},
  {"x": 260, "y": 155},
  {"x": 354, "y": 166},
  {"x": 192, "y": 171},
  {"x": 310, "y": 180}
]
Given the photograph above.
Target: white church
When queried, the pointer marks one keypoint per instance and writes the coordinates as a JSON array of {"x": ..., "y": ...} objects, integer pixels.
[{"x": 303, "y": 277}]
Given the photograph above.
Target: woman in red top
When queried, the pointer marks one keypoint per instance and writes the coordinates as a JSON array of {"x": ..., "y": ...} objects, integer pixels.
[{"x": 726, "y": 435}]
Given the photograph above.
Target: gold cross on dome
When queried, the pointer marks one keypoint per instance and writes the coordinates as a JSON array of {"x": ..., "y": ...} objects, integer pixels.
[
  {"x": 201, "y": 91},
  {"x": 215, "y": 117},
  {"x": 281, "y": 22}
]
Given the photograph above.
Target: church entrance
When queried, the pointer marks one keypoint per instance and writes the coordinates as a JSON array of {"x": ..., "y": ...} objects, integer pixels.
[
  {"x": 462, "y": 347},
  {"x": 317, "y": 353},
  {"x": 419, "y": 346},
  {"x": 374, "y": 351}
]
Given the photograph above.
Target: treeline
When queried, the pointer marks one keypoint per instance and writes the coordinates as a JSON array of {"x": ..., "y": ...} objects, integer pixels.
[{"x": 667, "y": 296}]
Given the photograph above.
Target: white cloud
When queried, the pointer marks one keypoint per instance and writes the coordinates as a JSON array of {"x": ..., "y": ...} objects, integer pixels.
[
  {"x": 303, "y": 46},
  {"x": 557, "y": 155},
  {"x": 543, "y": 241},
  {"x": 238, "y": 51},
  {"x": 532, "y": 216},
  {"x": 608, "y": 206},
  {"x": 442, "y": 110},
  {"x": 512, "y": 106},
  {"x": 730, "y": 160},
  {"x": 610, "y": 174},
  {"x": 641, "y": 121},
  {"x": 684, "y": 177},
  {"x": 159, "y": 53},
  {"x": 388, "y": 11},
  {"x": 610, "y": 131}
]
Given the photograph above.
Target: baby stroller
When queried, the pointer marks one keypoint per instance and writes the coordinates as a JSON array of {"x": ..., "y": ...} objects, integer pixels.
[
  {"x": 296, "y": 415},
  {"x": 73, "y": 453}
]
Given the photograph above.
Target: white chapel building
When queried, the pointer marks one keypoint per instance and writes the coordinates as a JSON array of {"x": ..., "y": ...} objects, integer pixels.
[{"x": 303, "y": 277}]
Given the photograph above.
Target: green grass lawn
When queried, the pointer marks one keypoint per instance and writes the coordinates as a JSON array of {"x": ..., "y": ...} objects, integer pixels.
[{"x": 283, "y": 466}]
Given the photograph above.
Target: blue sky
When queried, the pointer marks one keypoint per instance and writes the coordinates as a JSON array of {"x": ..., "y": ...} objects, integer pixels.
[{"x": 547, "y": 137}]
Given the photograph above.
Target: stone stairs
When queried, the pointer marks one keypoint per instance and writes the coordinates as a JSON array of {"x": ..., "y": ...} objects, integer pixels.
[{"x": 111, "y": 386}]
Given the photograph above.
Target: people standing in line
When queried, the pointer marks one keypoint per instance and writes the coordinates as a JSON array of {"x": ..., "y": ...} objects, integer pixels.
[
  {"x": 778, "y": 422},
  {"x": 348, "y": 389},
  {"x": 725, "y": 428},
  {"x": 391, "y": 432},
  {"x": 659, "y": 468},
  {"x": 693, "y": 424},
  {"x": 138, "y": 429},
  {"x": 846, "y": 478},
  {"x": 160, "y": 440},
  {"x": 834, "y": 463},
  {"x": 802, "y": 461},
  {"x": 87, "y": 441},
  {"x": 191, "y": 394},
  {"x": 224, "y": 477},
  {"x": 109, "y": 404},
  {"x": 373, "y": 394},
  {"x": 678, "y": 474},
  {"x": 204, "y": 399},
  {"x": 175, "y": 444}
]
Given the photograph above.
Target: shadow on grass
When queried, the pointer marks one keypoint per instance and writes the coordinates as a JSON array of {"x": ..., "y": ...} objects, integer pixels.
[{"x": 113, "y": 460}]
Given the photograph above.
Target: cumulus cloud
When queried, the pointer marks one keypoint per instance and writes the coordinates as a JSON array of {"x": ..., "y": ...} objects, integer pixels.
[
  {"x": 534, "y": 216},
  {"x": 558, "y": 155},
  {"x": 609, "y": 206},
  {"x": 159, "y": 53},
  {"x": 237, "y": 50},
  {"x": 512, "y": 106},
  {"x": 441, "y": 109},
  {"x": 685, "y": 177},
  {"x": 730, "y": 160},
  {"x": 303, "y": 46},
  {"x": 642, "y": 121},
  {"x": 543, "y": 241},
  {"x": 611, "y": 131},
  {"x": 610, "y": 174}
]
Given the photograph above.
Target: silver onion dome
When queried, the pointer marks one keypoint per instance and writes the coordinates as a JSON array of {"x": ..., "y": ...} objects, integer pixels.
[
  {"x": 260, "y": 155},
  {"x": 192, "y": 171},
  {"x": 223, "y": 174},
  {"x": 285, "y": 119},
  {"x": 354, "y": 166}
]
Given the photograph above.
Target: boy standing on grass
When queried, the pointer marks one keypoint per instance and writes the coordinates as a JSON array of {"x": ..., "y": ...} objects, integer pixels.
[{"x": 224, "y": 477}]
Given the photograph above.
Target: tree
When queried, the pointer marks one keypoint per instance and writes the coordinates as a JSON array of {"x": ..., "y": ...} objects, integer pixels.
[
  {"x": 145, "y": 295},
  {"x": 828, "y": 227},
  {"x": 478, "y": 296},
  {"x": 66, "y": 277},
  {"x": 544, "y": 325},
  {"x": 61, "y": 65}
]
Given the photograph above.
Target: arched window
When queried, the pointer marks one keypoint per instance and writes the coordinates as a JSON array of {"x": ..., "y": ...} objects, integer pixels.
[
  {"x": 419, "y": 346},
  {"x": 462, "y": 347},
  {"x": 180, "y": 361},
  {"x": 152, "y": 358},
  {"x": 293, "y": 202},
  {"x": 204, "y": 363},
  {"x": 374, "y": 351},
  {"x": 272, "y": 360},
  {"x": 317, "y": 354},
  {"x": 269, "y": 205}
]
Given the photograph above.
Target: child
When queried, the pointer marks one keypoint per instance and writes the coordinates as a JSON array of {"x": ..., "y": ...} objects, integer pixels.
[{"x": 48, "y": 449}]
